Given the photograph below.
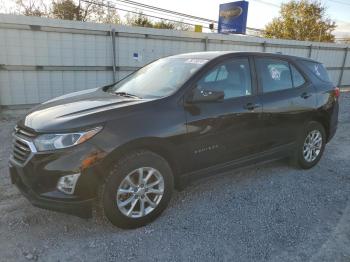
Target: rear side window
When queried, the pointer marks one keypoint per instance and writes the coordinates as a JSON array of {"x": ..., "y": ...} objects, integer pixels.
[
  {"x": 274, "y": 74},
  {"x": 298, "y": 78},
  {"x": 318, "y": 69}
]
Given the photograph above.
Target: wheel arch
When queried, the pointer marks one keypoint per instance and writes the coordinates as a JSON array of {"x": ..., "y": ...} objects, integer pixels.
[
  {"x": 324, "y": 120},
  {"x": 158, "y": 146}
]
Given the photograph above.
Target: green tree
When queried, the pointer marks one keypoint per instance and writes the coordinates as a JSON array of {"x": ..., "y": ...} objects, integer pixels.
[
  {"x": 93, "y": 11},
  {"x": 138, "y": 19},
  {"x": 163, "y": 24},
  {"x": 67, "y": 10},
  {"x": 302, "y": 20}
]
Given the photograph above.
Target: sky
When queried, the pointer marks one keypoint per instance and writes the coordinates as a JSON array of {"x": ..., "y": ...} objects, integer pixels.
[{"x": 260, "y": 11}]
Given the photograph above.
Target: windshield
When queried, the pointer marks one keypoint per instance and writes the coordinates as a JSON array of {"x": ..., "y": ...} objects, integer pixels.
[{"x": 160, "y": 78}]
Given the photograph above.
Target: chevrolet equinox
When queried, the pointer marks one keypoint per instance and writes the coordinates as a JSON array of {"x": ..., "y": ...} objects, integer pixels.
[{"x": 122, "y": 148}]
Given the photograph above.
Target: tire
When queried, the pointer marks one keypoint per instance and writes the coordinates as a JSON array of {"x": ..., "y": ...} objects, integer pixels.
[
  {"x": 304, "y": 160},
  {"x": 126, "y": 173}
]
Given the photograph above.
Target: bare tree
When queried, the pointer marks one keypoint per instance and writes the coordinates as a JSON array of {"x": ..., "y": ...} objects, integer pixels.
[
  {"x": 100, "y": 11},
  {"x": 31, "y": 7}
]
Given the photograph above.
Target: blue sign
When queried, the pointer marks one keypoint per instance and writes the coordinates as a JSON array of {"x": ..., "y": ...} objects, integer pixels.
[{"x": 233, "y": 17}]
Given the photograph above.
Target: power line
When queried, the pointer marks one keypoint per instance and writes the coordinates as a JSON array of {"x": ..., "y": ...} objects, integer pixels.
[
  {"x": 267, "y": 3},
  {"x": 156, "y": 12},
  {"x": 276, "y": 5},
  {"x": 167, "y": 11},
  {"x": 135, "y": 12},
  {"x": 177, "y": 14},
  {"x": 339, "y": 2},
  {"x": 160, "y": 11}
]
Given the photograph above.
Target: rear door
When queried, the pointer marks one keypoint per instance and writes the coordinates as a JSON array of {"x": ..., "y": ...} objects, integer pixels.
[
  {"x": 287, "y": 97},
  {"x": 225, "y": 130}
]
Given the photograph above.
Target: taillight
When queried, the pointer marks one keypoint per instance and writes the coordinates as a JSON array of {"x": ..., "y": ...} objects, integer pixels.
[{"x": 336, "y": 92}]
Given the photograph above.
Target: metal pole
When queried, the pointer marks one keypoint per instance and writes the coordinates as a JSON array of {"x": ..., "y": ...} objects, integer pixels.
[
  {"x": 343, "y": 65},
  {"x": 206, "y": 41},
  {"x": 310, "y": 51},
  {"x": 264, "y": 46},
  {"x": 114, "y": 54}
]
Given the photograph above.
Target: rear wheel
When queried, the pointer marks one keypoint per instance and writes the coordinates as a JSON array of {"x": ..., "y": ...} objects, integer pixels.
[
  {"x": 137, "y": 190},
  {"x": 310, "y": 145}
]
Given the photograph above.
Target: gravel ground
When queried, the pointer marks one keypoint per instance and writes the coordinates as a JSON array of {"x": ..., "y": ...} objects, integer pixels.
[{"x": 270, "y": 212}]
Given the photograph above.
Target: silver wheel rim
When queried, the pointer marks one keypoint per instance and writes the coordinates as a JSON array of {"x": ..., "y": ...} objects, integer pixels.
[
  {"x": 312, "y": 145},
  {"x": 140, "y": 192}
]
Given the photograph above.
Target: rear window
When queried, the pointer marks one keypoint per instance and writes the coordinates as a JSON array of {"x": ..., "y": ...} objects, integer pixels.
[
  {"x": 274, "y": 74},
  {"x": 318, "y": 69}
]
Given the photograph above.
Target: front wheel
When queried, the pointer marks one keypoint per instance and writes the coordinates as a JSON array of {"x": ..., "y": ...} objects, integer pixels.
[
  {"x": 137, "y": 190},
  {"x": 310, "y": 145}
]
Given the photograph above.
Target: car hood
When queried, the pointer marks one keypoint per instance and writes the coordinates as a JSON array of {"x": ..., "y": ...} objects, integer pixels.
[{"x": 76, "y": 110}]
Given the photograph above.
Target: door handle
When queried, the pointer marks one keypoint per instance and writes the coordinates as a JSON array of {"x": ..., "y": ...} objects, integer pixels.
[
  {"x": 305, "y": 95},
  {"x": 251, "y": 106}
]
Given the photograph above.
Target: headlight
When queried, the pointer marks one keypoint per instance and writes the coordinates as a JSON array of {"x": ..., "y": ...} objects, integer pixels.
[{"x": 57, "y": 141}]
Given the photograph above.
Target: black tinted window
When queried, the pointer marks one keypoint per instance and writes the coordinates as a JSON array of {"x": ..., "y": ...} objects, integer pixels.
[
  {"x": 232, "y": 77},
  {"x": 274, "y": 74},
  {"x": 318, "y": 69},
  {"x": 298, "y": 78}
]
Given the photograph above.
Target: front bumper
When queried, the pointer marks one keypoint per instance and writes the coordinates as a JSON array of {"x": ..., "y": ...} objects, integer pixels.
[
  {"x": 53, "y": 200},
  {"x": 37, "y": 178}
]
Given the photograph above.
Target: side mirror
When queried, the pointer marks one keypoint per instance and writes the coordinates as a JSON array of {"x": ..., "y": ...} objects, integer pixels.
[{"x": 201, "y": 96}]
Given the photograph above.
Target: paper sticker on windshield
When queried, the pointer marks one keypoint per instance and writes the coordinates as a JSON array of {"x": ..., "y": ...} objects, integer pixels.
[{"x": 196, "y": 61}]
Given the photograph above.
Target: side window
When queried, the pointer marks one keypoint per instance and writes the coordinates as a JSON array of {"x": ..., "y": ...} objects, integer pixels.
[
  {"x": 318, "y": 69},
  {"x": 274, "y": 74},
  {"x": 298, "y": 78},
  {"x": 219, "y": 73},
  {"x": 232, "y": 77}
]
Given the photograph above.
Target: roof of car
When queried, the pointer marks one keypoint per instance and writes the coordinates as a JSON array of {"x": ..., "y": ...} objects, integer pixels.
[{"x": 214, "y": 54}]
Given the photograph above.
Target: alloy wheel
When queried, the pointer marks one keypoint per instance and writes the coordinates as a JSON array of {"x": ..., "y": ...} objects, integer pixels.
[
  {"x": 140, "y": 192},
  {"x": 312, "y": 145}
]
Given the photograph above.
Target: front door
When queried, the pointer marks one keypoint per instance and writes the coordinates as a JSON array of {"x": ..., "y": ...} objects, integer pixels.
[{"x": 225, "y": 130}]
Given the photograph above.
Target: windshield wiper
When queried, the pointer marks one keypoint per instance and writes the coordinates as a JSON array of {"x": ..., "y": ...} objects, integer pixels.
[{"x": 126, "y": 94}]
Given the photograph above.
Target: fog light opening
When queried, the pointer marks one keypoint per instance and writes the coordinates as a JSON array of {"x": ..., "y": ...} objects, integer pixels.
[{"x": 66, "y": 184}]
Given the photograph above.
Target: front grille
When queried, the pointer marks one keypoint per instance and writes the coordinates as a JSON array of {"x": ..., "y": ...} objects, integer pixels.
[
  {"x": 22, "y": 149},
  {"x": 24, "y": 133}
]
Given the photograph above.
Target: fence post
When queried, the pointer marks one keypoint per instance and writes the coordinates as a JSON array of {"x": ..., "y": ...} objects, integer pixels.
[
  {"x": 264, "y": 46},
  {"x": 206, "y": 41},
  {"x": 113, "y": 53},
  {"x": 310, "y": 51},
  {"x": 343, "y": 65}
]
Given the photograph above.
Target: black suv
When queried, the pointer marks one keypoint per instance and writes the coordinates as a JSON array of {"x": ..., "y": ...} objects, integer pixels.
[{"x": 127, "y": 145}]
